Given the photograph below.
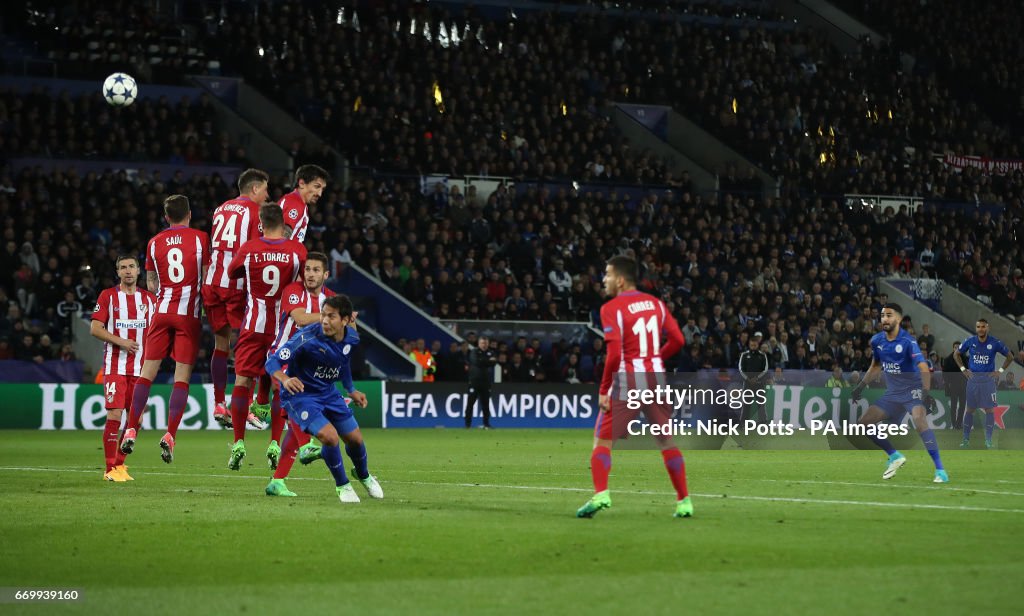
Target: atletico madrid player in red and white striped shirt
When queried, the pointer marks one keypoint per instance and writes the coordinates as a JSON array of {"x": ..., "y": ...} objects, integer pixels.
[
  {"x": 633, "y": 323},
  {"x": 310, "y": 182},
  {"x": 301, "y": 307},
  {"x": 235, "y": 222},
  {"x": 175, "y": 261},
  {"x": 120, "y": 319},
  {"x": 267, "y": 264}
]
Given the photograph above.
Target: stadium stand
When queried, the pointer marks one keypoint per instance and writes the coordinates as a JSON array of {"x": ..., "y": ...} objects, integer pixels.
[{"x": 793, "y": 267}]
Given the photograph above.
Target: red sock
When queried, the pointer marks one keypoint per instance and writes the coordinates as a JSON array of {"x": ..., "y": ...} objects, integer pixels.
[
  {"x": 600, "y": 466},
  {"x": 240, "y": 397},
  {"x": 110, "y": 430},
  {"x": 263, "y": 392},
  {"x": 176, "y": 407},
  {"x": 289, "y": 448},
  {"x": 219, "y": 374},
  {"x": 676, "y": 470},
  {"x": 277, "y": 421},
  {"x": 118, "y": 456}
]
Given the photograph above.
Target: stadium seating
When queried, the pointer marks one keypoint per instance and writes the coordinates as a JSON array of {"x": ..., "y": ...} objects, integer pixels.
[{"x": 510, "y": 99}]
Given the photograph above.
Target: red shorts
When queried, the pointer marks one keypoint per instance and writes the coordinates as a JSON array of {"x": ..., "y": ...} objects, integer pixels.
[
  {"x": 117, "y": 391},
  {"x": 224, "y": 307},
  {"x": 614, "y": 423},
  {"x": 251, "y": 353},
  {"x": 174, "y": 336}
]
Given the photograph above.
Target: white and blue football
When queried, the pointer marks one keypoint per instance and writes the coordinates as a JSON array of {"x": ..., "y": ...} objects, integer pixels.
[{"x": 120, "y": 90}]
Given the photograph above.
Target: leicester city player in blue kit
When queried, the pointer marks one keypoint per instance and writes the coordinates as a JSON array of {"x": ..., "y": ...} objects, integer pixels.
[
  {"x": 981, "y": 376},
  {"x": 907, "y": 381},
  {"x": 317, "y": 356}
]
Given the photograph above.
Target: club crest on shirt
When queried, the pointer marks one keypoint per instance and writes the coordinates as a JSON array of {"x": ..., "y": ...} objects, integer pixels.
[
  {"x": 989, "y": 347},
  {"x": 899, "y": 348},
  {"x": 346, "y": 349},
  {"x": 142, "y": 312}
]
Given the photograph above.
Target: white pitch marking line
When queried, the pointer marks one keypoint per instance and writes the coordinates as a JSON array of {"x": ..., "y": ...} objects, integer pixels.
[
  {"x": 779, "y": 499},
  {"x": 891, "y": 486}
]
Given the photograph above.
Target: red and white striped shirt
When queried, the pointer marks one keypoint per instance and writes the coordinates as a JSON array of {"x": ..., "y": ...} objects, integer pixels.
[
  {"x": 296, "y": 215},
  {"x": 178, "y": 255},
  {"x": 268, "y": 266},
  {"x": 295, "y": 296},
  {"x": 633, "y": 324},
  {"x": 126, "y": 315},
  {"x": 235, "y": 222}
]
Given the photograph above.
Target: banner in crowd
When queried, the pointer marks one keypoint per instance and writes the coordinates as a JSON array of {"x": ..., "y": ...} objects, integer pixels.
[
  {"x": 988, "y": 165},
  {"x": 71, "y": 406}
]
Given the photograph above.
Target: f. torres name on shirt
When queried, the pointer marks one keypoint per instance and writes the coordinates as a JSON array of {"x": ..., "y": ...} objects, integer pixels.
[{"x": 272, "y": 257}]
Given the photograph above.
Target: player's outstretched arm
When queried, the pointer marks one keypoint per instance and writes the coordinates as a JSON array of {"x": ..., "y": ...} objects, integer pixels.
[{"x": 153, "y": 282}]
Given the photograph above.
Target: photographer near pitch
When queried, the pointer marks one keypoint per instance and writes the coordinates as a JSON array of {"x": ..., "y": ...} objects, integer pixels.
[
  {"x": 481, "y": 362},
  {"x": 754, "y": 368}
]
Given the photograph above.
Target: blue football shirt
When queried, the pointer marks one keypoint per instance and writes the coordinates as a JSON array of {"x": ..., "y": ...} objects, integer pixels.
[{"x": 981, "y": 356}]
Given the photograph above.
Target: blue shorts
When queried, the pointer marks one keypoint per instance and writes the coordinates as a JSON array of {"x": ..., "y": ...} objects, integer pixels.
[
  {"x": 981, "y": 391},
  {"x": 312, "y": 413},
  {"x": 896, "y": 405}
]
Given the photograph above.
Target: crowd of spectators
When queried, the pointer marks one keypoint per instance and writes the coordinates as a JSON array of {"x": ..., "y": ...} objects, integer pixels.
[
  {"x": 90, "y": 39},
  {"x": 40, "y": 123},
  {"x": 974, "y": 47},
  {"x": 799, "y": 268}
]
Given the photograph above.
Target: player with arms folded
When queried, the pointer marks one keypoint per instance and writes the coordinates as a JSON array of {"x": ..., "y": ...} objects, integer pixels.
[
  {"x": 120, "y": 319},
  {"x": 235, "y": 222},
  {"x": 302, "y": 301},
  {"x": 307, "y": 367},
  {"x": 981, "y": 376},
  {"x": 175, "y": 261},
  {"x": 267, "y": 264},
  {"x": 908, "y": 381},
  {"x": 633, "y": 325}
]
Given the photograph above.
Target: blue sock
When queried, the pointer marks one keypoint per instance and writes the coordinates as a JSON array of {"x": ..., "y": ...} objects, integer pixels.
[
  {"x": 884, "y": 444},
  {"x": 357, "y": 453},
  {"x": 332, "y": 457},
  {"x": 990, "y": 424},
  {"x": 968, "y": 424},
  {"x": 928, "y": 438}
]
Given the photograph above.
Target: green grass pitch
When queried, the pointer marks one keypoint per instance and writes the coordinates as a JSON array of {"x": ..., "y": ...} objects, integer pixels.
[{"x": 483, "y": 522}]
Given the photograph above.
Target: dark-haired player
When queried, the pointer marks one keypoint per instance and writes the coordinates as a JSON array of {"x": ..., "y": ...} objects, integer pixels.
[
  {"x": 316, "y": 357},
  {"x": 908, "y": 381},
  {"x": 120, "y": 320},
  {"x": 235, "y": 222},
  {"x": 981, "y": 376},
  {"x": 633, "y": 325},
  {"x": 310, "y": 182},
  {"x": 301, "y": 304},
  {"x": 267, "y": 264},
  {"x": 175, "y": 261}
]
